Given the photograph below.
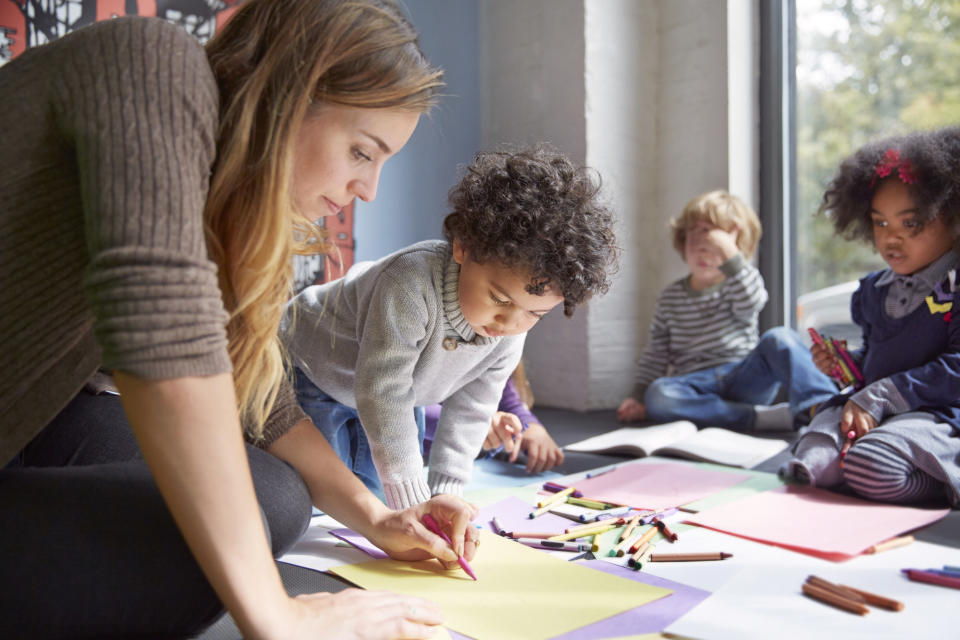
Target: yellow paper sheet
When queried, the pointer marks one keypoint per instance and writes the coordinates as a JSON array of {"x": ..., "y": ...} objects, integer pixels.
[{"x": 521, "y": 593}]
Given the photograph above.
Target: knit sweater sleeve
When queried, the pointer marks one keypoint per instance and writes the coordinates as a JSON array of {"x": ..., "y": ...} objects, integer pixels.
[
  {"x": 138, "y": 102},
  {"x": 391, "y": 333},
  {"x": 510, "y": 402},
  {"x": 743, "y": 288},
  {"x": 655, "y": 358},
  {"x": 465, "y": 421}
]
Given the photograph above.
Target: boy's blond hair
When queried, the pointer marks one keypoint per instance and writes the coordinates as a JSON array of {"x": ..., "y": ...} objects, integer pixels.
[{"x": 722, "y": 209}]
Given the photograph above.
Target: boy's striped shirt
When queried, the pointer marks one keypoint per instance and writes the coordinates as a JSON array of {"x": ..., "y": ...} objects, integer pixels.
[{"x": 693, "y": 330}]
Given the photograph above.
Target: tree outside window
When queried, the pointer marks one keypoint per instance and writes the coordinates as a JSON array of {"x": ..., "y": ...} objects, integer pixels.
[{"x": 865, "y": 69}]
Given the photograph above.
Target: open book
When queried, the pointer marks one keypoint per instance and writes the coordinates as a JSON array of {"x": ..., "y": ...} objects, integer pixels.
[{"x": 682, "y": 439}]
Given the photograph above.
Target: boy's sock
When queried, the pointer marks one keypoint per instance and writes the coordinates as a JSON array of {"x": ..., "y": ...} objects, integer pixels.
[{"x": 773, "y": 418}]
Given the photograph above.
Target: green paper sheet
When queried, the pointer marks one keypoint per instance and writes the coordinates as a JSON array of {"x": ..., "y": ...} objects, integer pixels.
[{"x": 521, "y": 593}]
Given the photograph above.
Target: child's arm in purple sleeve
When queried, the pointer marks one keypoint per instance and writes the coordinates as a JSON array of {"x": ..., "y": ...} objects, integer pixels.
[{"x": 510, "y": 402}]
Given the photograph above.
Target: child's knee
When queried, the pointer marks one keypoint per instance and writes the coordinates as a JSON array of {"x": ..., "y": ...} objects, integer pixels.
[
  {"x": 879, "y": 472},
  {"x": 778, "y": 338},
  {"x": 658, "y": 398}
]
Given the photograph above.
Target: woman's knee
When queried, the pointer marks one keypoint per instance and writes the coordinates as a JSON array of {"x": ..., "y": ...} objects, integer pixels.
[{"x": 283, "y": 497}]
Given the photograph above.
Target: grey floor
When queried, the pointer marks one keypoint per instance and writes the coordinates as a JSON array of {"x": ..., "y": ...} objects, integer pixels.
[{"x": 566, "y": 427}]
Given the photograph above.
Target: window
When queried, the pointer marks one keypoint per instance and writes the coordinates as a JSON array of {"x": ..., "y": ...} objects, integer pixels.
[{"x": 864, "y": 69}]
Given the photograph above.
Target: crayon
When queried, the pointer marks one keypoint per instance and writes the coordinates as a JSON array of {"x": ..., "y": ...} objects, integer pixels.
[{"x": 434, "y": 527}]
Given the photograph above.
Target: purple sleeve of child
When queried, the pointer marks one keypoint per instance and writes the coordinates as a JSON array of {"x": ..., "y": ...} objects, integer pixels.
[{"x": 511, "y": 403}]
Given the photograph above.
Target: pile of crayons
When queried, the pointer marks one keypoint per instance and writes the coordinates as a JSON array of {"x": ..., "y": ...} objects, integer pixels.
[
  {"x": 637, "y": 543},
  {"x": 846, "y": 372},
  {"x": 847, "y": 598}
]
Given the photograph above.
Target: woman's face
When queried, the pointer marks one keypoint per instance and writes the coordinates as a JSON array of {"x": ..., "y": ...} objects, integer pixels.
[{"x": 339, "y": 153}]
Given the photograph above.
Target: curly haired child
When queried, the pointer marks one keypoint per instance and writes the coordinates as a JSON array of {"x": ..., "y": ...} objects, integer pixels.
[
  {"x": 445, "y": 321},
  {"x": 703, "y": 361},
  {"x": 896, "y": 438}
]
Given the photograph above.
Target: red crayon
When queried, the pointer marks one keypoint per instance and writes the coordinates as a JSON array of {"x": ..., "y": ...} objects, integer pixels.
[{"x": 918, "y": 575}]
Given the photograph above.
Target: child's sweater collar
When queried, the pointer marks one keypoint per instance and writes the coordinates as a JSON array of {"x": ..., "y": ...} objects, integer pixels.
[
  {"x": 930, "y": 275},
  {"x": 457, "y": 325}
]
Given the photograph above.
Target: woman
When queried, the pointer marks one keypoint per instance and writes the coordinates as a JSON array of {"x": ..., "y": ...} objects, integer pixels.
[{"x": 160, "y": 187}]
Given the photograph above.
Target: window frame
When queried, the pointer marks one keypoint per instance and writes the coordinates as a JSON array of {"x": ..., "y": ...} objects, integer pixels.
[{"x": 778, "y": 176}]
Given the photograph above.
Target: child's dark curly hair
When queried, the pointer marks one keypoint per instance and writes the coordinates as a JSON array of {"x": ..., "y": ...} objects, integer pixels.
[
  {"x": 534, "y": 209},
  {"x": 932, "y": 167}
]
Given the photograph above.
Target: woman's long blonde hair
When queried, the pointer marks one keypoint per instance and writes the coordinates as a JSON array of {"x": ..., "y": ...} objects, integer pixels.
[{"x": 275, "y": 61}]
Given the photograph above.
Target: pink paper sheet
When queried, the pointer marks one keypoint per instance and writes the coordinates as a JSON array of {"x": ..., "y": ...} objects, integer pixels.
[
  {"x": 657, "y": 486},
  {"x": 814, "y": 521}
]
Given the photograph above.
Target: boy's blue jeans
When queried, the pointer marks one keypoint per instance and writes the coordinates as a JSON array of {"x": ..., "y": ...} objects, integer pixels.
[
  {"x": 341, "y": 426},
  {"x": 725, "y": 395}
]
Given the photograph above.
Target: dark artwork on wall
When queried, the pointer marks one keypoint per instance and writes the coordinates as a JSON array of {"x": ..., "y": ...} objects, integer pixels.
[{"x": 28, "y": 23}]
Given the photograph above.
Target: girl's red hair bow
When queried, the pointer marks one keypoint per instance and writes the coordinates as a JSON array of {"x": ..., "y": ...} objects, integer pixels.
[{"x": 890, "y": 161}]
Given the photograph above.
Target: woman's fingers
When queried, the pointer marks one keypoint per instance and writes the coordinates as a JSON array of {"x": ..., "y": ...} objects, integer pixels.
[{"x": 365, "y": 615}]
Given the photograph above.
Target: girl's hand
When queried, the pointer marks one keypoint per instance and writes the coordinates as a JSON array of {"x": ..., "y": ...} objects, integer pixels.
[
  {"x": 505, "y": 429},
  {"x": 855, "y": 418},
  {"x": 825, "y": 361},
  {"x": 542, "y": 452},
  {"x": 355, "y": 614},
  {"x": 403, "y": 535},
  {"x": 631, "y": 410}
]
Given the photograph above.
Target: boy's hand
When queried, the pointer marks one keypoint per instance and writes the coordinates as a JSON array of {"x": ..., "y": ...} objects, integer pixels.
[
  {"x": 403, "y": 535},
  {"x": 631, "y": 410},
  {"x": 542, "y": 452},
  {"x": 505, "y": 429},
  {"x": 721, "y": 242}
]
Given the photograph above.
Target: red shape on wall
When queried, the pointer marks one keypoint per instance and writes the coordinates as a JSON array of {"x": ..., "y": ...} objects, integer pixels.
[{"x": 340, "y": 233}]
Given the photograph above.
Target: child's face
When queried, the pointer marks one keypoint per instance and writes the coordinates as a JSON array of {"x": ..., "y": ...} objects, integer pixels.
[
  {"x": 700, "y": 254},
  {"x": 494, "y": 299},
  {"x": 895, "y": 233}
]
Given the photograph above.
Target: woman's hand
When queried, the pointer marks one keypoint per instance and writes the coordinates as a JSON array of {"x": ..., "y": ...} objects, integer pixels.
[
  {"x": 507, "y": 430},
  {"x": 542, "y": 452},
  {"x": 403, "y": 535},
  {"x": 354, "y": 614},
  {"x": 631, "y": 410}
]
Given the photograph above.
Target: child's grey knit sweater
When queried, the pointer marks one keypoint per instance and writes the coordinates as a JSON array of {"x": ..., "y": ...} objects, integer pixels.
[{"x": 389, "y": 336}]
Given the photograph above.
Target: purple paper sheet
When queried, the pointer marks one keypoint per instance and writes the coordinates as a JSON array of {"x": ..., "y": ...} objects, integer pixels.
[
  {"x": 513, "y": 514},
  {"x": 650, "y": 618},
  {"x": 352, "y": 537}
]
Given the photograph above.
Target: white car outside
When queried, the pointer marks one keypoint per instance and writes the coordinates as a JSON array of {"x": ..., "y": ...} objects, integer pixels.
[{"x": 828, "y": 311}]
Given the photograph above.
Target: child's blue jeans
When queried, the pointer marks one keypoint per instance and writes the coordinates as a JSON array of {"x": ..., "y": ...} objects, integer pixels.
[
  {"x": 726, "y": 395},
  {"x": 341, "y": 426}
]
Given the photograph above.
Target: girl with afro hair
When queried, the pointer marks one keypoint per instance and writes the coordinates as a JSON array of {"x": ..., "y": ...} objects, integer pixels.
[{"x": 895, "y": 436}]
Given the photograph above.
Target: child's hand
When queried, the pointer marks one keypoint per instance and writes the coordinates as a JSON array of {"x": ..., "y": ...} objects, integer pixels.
[
  {"x": 631, "y": 410},
  {"x": 505, "y": 429},
  {"x": 855, "y": 418},
  {"x": 824, "y": 360},
  {"x": 542, "y": 452},
  {"x": 722, "y": 242}
]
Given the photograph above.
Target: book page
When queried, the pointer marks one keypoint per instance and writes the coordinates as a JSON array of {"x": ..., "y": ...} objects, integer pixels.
[
  {"x": 724, "y": 447},
  {"x": 635, "y": 441}
]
